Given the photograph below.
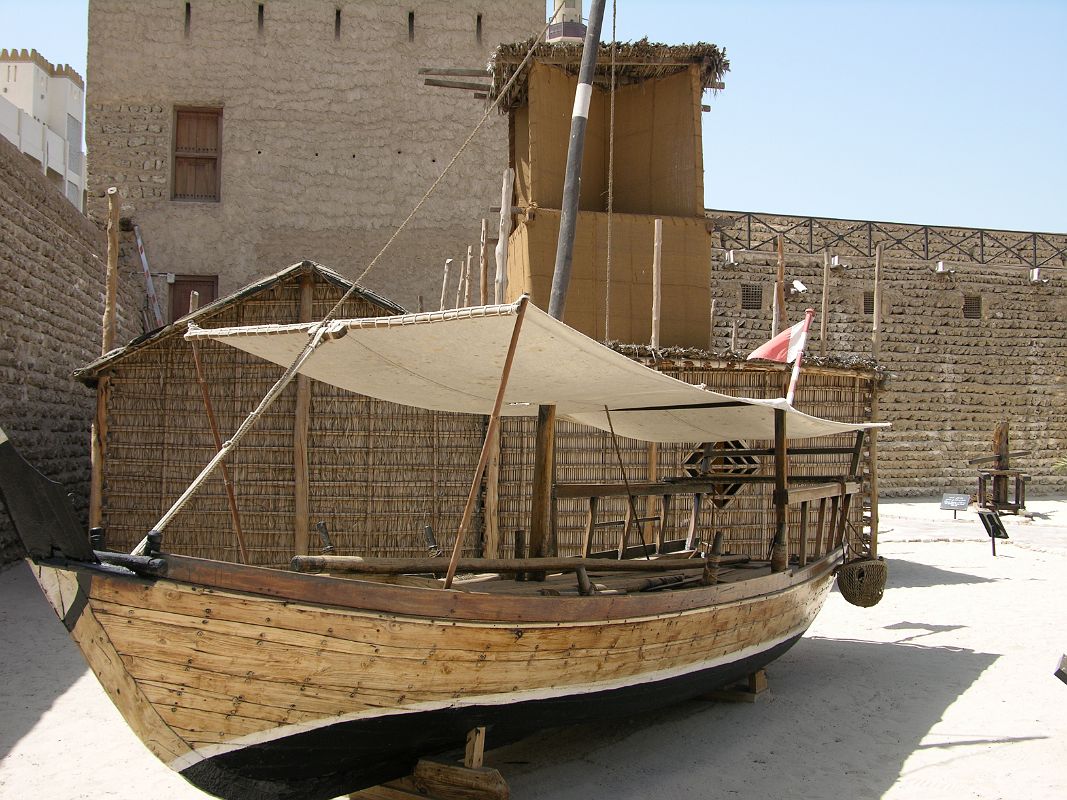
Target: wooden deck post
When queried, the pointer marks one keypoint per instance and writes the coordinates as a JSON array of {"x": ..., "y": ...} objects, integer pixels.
[
  {"x": 780, "y": 546},
  {"x": 301, "y": 423}
]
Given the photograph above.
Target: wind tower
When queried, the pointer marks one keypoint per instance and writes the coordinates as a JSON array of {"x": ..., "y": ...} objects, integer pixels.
[
  {"x": 567, "y": 25},
  {"x": 655, "y": 151}
]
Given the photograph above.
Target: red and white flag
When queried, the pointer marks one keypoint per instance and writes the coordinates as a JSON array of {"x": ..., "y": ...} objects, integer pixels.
[{"x": 787, "y": 345}]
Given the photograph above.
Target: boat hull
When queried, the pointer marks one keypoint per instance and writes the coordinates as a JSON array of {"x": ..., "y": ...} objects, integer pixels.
[{"x": 249, "y": 695}]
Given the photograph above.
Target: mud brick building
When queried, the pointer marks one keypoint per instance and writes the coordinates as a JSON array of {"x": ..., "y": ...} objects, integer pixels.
[{"x": 246, "y": 136}]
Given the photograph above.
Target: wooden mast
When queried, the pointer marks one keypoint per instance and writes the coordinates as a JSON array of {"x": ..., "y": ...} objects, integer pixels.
[{"x": 541, "y": 538}]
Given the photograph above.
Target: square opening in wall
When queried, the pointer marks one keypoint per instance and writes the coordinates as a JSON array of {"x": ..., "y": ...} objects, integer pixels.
[
  {"x": 751, "y": 296},
  {"x": 868, "y": 303},
  {"x": 972, "y": 306}
]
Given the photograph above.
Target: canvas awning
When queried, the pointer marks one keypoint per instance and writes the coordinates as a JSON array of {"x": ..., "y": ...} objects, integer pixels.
[{"x": 452, "y": 361}]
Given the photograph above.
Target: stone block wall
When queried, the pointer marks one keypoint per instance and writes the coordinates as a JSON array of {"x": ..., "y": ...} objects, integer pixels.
[
  {"x": 329, "y": 136},
  {"x": 51, "y": 303},
  {"x": 952, "y": 376}
]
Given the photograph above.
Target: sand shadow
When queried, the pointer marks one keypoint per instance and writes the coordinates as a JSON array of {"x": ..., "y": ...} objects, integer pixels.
[
  {"x": 905, "y": 574},
  {"x": 38, "y": 659},
  {"x": 831, "y": 728}
]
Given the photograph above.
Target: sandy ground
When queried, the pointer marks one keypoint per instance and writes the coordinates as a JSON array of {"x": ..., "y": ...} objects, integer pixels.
[{"x": 944, "y": 690}]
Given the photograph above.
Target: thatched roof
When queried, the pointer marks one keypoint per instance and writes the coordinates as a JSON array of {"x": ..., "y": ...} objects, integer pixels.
[
  {"x": 634, "y": 62},
  {"x": 90, "y": 372}
]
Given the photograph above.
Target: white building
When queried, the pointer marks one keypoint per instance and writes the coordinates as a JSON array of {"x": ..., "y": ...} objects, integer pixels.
[{"x": 42, "y": 107}]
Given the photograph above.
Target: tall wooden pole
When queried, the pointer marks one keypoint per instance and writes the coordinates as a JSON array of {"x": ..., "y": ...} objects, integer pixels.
[
  {"x": 503, "y": 232},
  {"x": 825, "y": 301},
  {"x": 541, "y": 516},
  {"x": 301, "y": 426},
  {"x": 98, "y": 434},
  {"x": 112, "y": 291},
  {"x": 872, "y": 451},
  {"x": 779, "y": 291},
  {"x": 657, "y": 281},
  {"x": 483, "y": 264},
  {"x": 444, "y": 281},
  {"x": 876, "y": 317}
]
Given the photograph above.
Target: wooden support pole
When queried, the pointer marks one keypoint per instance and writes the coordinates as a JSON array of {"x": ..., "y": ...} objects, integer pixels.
[
  {"x": 820, "y": 527},
  {"x": 624, "y": 534},
  {"x": 657, "y": 281},
  {"x": 872, "y": 465},
  {"x": 490, "y": 435},
  {"x": 590, "y": 526},
  {"x": 444, "y": 281},
  {"x": 491, "y": 504},
  {"x": 778, "y": 315},
  {"x": 483, "y": 264},
  {"x": 112, "y": 278},
  {"x": 825, "y": 301},
  {"x": 803, "y": 550},
  {"x": 469, "y": 264},
  {"x": 301, "y": 425},
  {"x": 711, "y": 326},
  {"x": 542, "y": 504},
  {"x": 585, "y": 586},
  {"x": 503, "y": 232},
  {"x": 694, "y": 520},
  {"x": 780, "y": 546},
  {"x": 876, "y": 317},
  {"x": 98, "y": 432},
  {"x": 664, "y": 521}
]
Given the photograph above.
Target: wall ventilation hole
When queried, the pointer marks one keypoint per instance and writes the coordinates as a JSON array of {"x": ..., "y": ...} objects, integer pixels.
[
  {"x": 188, "y": 18},
  {"x": 337, "y": 24},
  {"x": 751, "y": 296},
  {"x": 411, "y": 26},
  {"x": 868, "y": 302},
  {"x": 972, "y": 306},
  {"x": 259, "y": 18},
  {"x": 478, "y": 28}
]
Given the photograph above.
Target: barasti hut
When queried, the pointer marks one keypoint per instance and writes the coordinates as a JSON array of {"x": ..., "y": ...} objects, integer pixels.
[{"x": 378, "y": 474}]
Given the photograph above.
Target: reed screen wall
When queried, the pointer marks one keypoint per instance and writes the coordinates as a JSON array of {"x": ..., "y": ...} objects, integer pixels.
[{"x": 378, "y": 473}]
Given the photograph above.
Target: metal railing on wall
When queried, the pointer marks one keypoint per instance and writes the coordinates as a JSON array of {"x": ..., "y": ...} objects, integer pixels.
[{"x": 813, "y": 235}]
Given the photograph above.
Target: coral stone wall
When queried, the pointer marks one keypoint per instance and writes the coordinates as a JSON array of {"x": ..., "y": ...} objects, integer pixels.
[
  {"x": 953, "y": 374},
  {"x": 51, "y": 302},
  {"x": 329, "y": 136}
]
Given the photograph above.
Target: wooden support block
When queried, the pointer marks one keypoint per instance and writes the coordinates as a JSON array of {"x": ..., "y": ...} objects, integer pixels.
[
  {"x": 748, "y": 692},
  {"x": 664, "y": 514},
  {"x": 590, "y": 525},
  {"x": 474, "y": 754},
  {"x": 444, "y": 781}
]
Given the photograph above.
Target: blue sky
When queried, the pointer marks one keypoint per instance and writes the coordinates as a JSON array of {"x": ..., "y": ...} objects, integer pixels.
[{"x": 943, "y": 112}]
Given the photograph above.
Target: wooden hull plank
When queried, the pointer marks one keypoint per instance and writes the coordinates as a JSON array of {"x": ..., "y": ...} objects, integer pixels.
[{"x": 350, "y": 755}]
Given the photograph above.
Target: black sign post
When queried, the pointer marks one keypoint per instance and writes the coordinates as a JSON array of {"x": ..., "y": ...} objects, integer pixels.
[{"x": 993, "y": 526}]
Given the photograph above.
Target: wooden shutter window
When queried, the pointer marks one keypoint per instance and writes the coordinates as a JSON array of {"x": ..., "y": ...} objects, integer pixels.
[{"x": 197, "y": 152}]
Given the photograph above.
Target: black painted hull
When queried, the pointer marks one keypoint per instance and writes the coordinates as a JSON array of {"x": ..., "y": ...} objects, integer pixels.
[{"x": 352, "y": 755}]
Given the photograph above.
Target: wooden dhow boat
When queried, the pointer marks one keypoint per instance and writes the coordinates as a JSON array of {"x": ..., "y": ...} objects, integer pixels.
[{"x": 266, "y": 683}]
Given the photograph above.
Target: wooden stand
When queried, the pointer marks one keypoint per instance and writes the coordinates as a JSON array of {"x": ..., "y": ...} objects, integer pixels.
[
  {"x": 995, "y": 490},
  {"x": 442, "y": 780},
  {"x": 748, "y": 692}
]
